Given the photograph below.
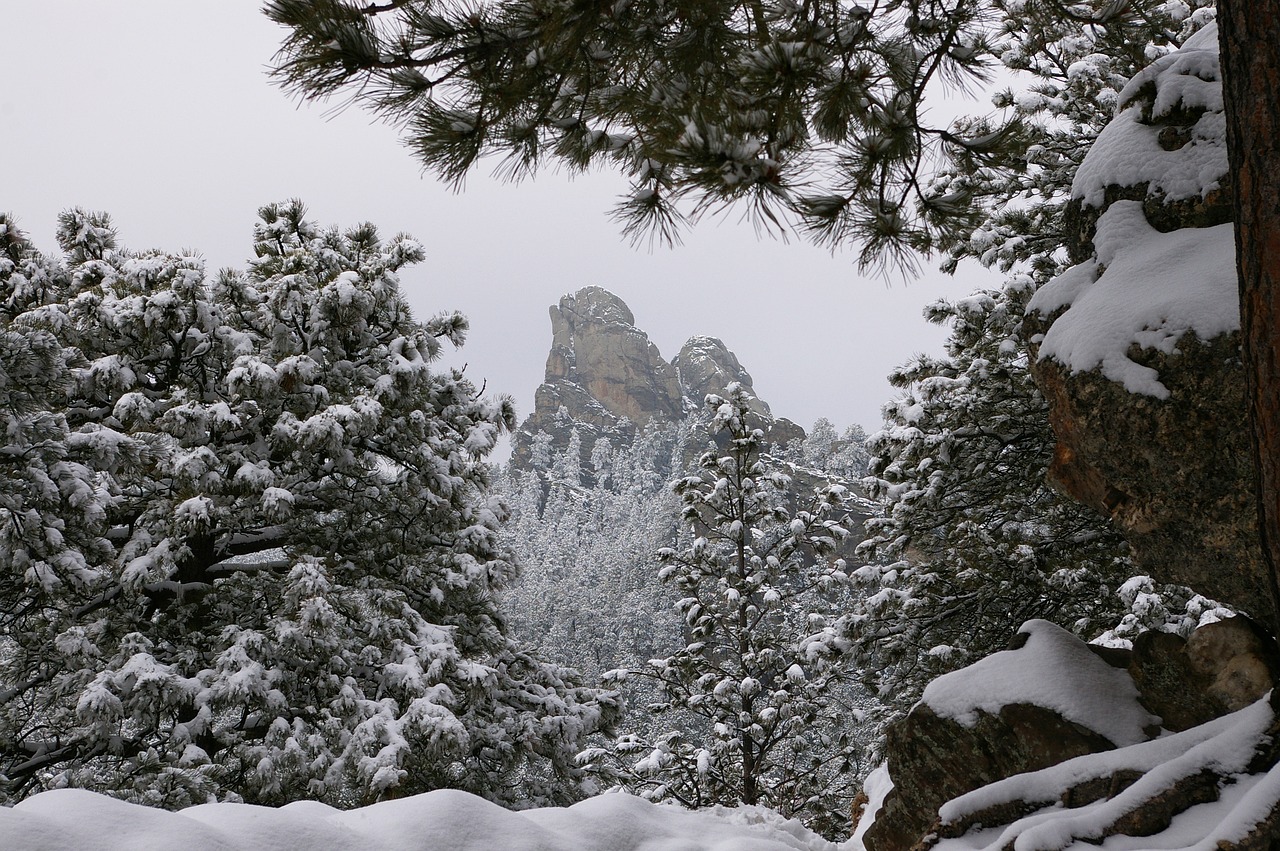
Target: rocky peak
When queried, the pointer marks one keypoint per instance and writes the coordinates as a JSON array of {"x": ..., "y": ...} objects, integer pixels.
[
  {"x": 705, "y": 365},
  {"x": 592, "y": 304},
  {"x": 605, "y": 378},
  {"x": 596, "y": 348}
]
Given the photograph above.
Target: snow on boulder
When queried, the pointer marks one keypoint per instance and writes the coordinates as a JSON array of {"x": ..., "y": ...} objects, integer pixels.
[
  {"x": 1214, "y": 787},
  {"x": 875, "y": 789},
  {"x": 73, "y": 819},
  {"x": 1166, "y": 150},
  {"x": 1154, "y": 288},
  {"x": 1052, "y": 669},
  {"x": 1136, "y": 347},
  {"x": 1047, "y": 700},
  {"x": 1169, "y": 134}
]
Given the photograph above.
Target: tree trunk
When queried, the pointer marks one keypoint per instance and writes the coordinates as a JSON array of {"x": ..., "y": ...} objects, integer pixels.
[{"x": 1249, "y": 36}]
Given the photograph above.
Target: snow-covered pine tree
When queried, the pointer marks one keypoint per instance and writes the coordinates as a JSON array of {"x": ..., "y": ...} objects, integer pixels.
[
  {"x": 819, "y": 444},
  {"x": 53, "y": 502},
  {"x": 291, "y": 590},
  {"x": 1070, "y": 62},
  {"x": 973, "y": 540},
  {"x": 808, "y": 110},
  {"x": 757, "y": 703},
  {"x": 851, "y": 457},
  {"x": 842, "y": 457}
]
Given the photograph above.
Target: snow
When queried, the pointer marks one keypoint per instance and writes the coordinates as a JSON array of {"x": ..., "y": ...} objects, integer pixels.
[
  {"x": 1128, "y": 152},
  {"x": 1224, "y": 746},
  {"x": 1147, "y": 288},
  {"x": 876, "y": 787},
  {"x": 1054, "y": 670},
  {"x": 1156, "y": 288},
  {"x": 74, "y": 819}
]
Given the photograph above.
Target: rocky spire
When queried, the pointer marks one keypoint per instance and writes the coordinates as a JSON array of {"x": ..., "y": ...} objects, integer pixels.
[
  {"x": 605, "y": 378},
  {"x": 597, "y": 349}
]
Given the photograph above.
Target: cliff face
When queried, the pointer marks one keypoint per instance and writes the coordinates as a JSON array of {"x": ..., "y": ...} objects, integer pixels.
[
  {"x": 1138, "y": 344},
  {"x": 598, "y": 354},
  {"x": 606, "y": 379}
]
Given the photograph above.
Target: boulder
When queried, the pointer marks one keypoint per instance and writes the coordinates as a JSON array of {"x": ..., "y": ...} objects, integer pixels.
[
  {"x": 933, "y": 760},
  {"x": 1237, "y": 659},
  {"x": 1173, "y": 474},
  {"x": 1168, "y": 685},
  {"x": 1136, "y": 348},
  {"x": 994, "y": 720},
  {"x": 1220, "y": 668},
  {"x": 1045, "y": 700}
]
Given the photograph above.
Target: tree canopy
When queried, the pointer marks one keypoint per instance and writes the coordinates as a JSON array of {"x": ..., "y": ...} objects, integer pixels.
[
  {"x": 248, "y": 545},
  {"x": 810, "y": 113}
]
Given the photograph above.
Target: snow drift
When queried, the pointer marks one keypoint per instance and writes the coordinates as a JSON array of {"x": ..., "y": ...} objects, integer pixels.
[{"x": 74, "y": 819}]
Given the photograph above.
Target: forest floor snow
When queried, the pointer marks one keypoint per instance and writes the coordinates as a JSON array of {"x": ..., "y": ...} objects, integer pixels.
[{"x": 75, "y": 819}]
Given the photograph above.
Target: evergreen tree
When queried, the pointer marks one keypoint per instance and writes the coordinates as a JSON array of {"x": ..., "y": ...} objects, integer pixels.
[
  {"x": 280, "y": 554},
  {"x": 757, "y": 692},
  {"x": 973, "y": 541},
  {"x": 819, "y": 444},
  {"x": 851, "y": 458},
  {"x": 711, "y": 102},
  {"x": 1076, "y": 59}
]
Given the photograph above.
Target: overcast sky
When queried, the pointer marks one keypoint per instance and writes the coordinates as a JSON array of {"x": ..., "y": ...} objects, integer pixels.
[{"x": 161, "y": 113}]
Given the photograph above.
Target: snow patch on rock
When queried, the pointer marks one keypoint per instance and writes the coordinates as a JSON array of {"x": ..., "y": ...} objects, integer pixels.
[
  {"x": 877, "y": 786},
  {"x": 1224, "y": 746},
  {"x": 1128, "y": 152},
  {"x": 1054, "y": 670},
  {"x": 1156, "y": 288}
]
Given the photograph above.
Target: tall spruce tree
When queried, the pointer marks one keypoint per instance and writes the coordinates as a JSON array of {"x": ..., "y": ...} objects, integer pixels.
[
  {"x": 255, "y": 551},
  {"x": 758, "y": 695}
]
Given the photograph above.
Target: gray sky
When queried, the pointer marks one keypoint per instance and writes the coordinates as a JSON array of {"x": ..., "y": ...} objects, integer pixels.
[{"x": 160, "y": 112}]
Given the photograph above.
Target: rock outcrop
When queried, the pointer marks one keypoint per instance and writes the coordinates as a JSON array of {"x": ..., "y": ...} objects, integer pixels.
[
  {"x": 999, "y": 718},
  {"x": 605, "y": 378},
  {"x": 705, "y": 365},
  {"x": 951, "y": 759},
  {"x": 1221, "y": 668},
  {"x": 1138, "y": 345},
  {"x": 1136, "y": 350}
]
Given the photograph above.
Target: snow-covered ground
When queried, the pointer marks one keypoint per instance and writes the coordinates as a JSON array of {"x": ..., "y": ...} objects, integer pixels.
[{"x": 77, "y": 820}]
